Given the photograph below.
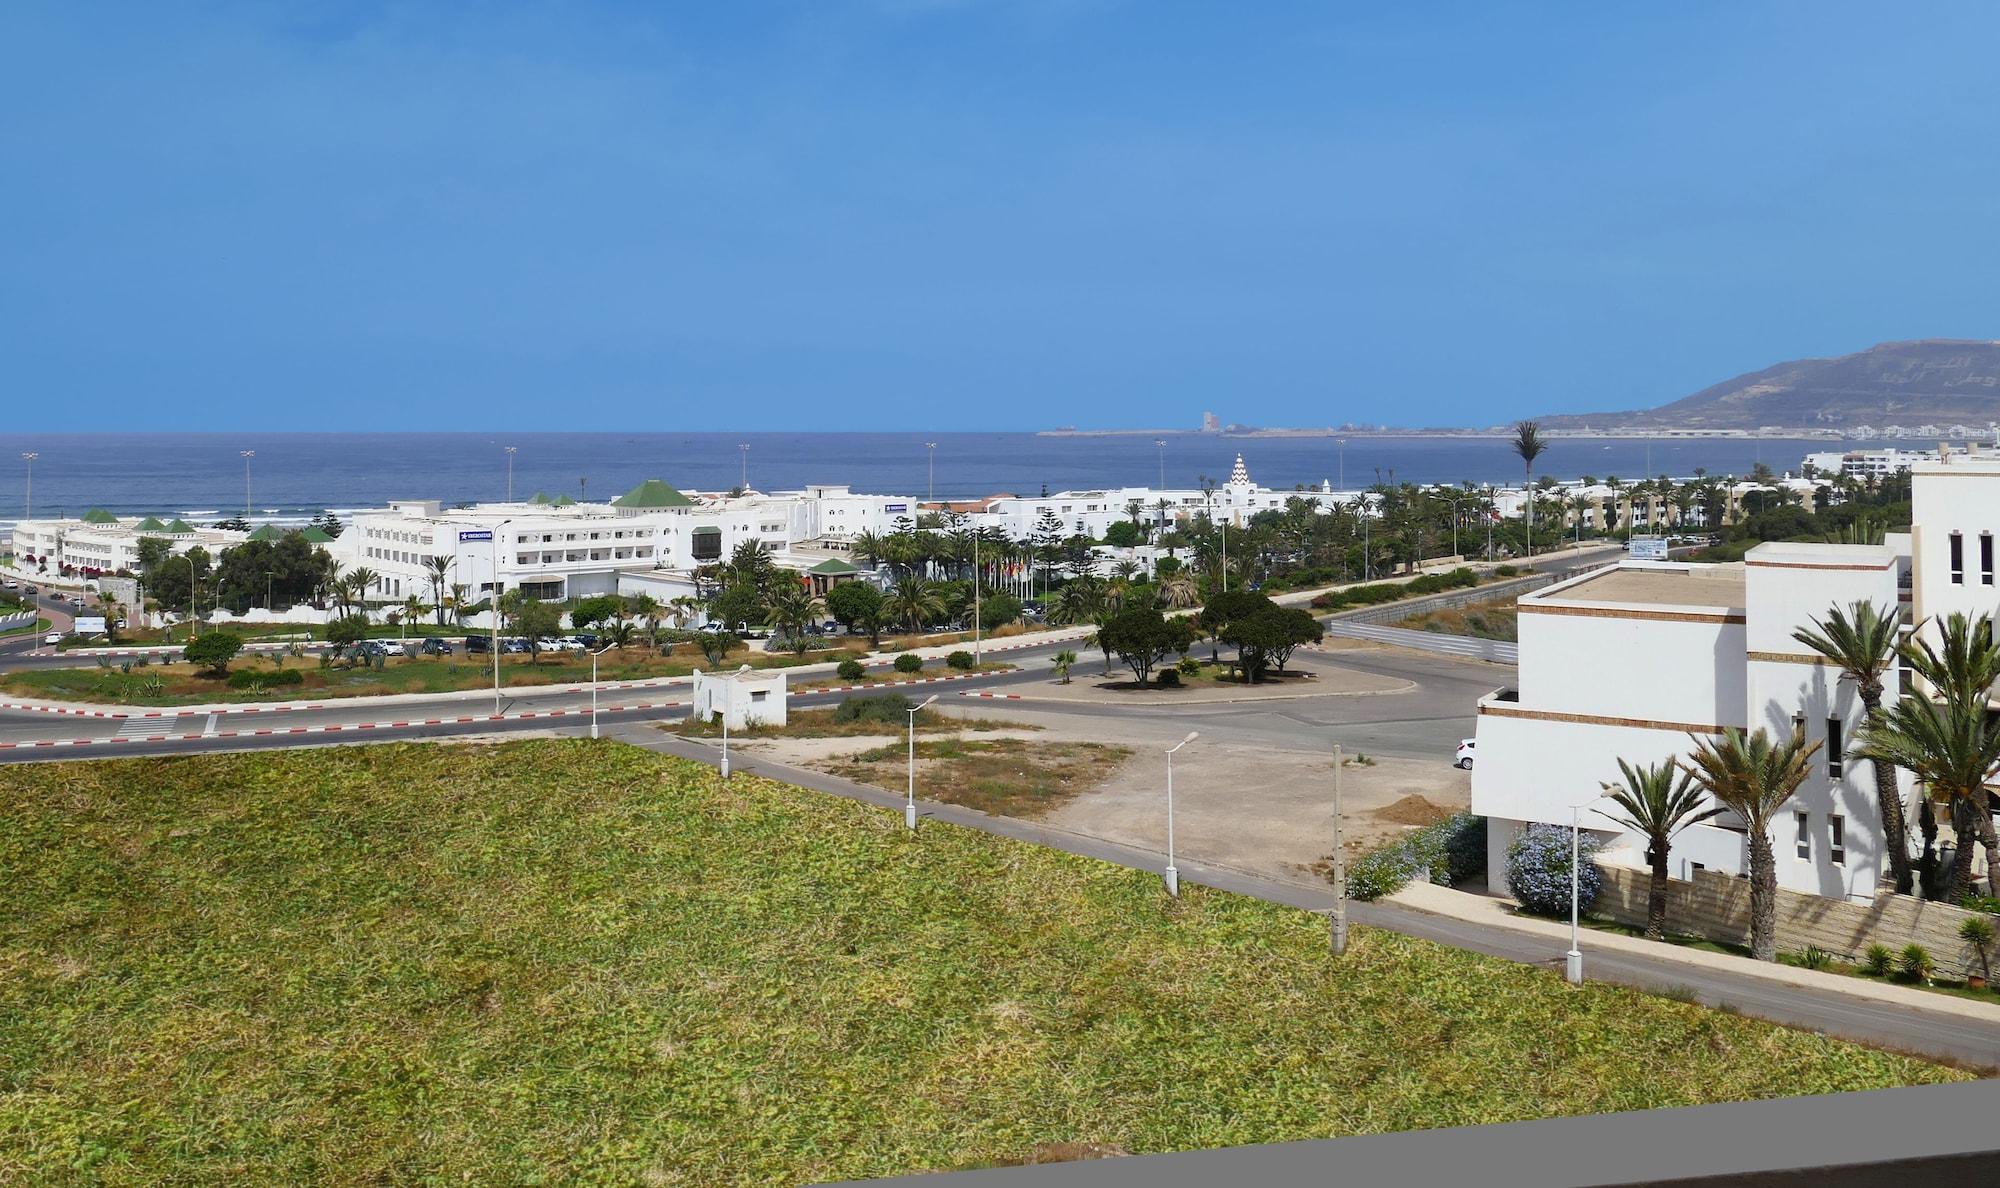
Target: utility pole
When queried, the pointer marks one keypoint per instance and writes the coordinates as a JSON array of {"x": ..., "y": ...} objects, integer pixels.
[
  {"x": 510, "y": 472},
  {"x": 931, "y": 446},
  {"x": 247, "y": 455},
  {"x": 29, "y": 458},
  {"x": 1338, "y": 918},
  {"x": 744, "y": 449},
  {"x": 1160, "y": 443}
]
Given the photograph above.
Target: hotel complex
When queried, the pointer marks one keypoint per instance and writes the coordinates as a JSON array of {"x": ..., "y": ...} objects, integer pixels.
[{"x": 1635, "y": 661}]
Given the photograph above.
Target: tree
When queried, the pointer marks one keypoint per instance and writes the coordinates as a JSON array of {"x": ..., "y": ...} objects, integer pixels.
[
  {"x": 618, "y": 634},
  {"x": 850, "y": 602},
  {"x": 1755, "y": 777},
  {"x": 1062, "y": 661},
  {"x": 153, "y": 551},
  {"x": 537, "y": 620},
  {"x": 1223, "y": 609},
  {"x": 601, "y": 608},
  {"x": 214, "y": 651},
  {"x": 1046, "y": 541},
  {"x": 346, "y": 630},
  {"x": 437, "y": 569},
  {"x": 914, "y": 603},
  {"x": 1081, "y": 601},
  {"x": 1123, "y": 534},
  {"x": 1861, "y": 642},
  {"x": 1529, "y": 444},
  {"x": 1267, "y": 635},
  {"x": 1142, "y": 637},
  {"x": 738, "y": 605},
  {"x": 1658, "y": 801},
  {"x": 792, "y": 608},
  {"x": 1178, "y": 589},
  {"x": 1948, "y": 740}
]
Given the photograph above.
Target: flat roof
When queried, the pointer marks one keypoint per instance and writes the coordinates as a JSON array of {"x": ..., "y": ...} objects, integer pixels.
[{"x": 1664, "y": 585}]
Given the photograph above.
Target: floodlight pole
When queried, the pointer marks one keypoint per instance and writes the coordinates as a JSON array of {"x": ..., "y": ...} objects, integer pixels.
[{"x": 593, "y": 687}]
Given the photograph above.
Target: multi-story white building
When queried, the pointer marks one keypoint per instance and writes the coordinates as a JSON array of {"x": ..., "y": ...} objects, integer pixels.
[
  {"x": 101, "y": 543},
  {"x": 1091, "y": 513},
  {"x": 1636, "y": 661},
  {"x": 559, "y": 548}
]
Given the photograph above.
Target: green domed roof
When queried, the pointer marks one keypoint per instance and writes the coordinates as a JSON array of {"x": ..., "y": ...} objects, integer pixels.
[
  {"x": 98, "y": 515},
  {"x": 652, "y": 493}
]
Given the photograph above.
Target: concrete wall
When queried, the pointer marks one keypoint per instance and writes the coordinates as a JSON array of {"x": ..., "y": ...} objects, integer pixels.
[
  {"x": 1688, "y": 672},
  {"x": 1717, "y": 906}
]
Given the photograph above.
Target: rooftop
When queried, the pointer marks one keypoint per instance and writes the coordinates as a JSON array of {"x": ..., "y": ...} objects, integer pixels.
[{"x": 1654, "y": 585}]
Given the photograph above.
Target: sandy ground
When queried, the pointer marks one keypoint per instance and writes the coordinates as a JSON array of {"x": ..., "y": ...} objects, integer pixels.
[
  {"x": 1089, "y": 684},
  {"x": 1253, "y": 807}
]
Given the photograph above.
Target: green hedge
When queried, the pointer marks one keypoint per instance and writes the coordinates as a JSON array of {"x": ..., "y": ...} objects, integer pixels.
[
  {"x": 1453, "y": 850},
  {"x": 1429, "y": 583}
]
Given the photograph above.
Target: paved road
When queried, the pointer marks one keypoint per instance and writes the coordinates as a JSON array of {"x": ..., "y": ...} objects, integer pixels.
[{"x": 1948, "y": 1037}]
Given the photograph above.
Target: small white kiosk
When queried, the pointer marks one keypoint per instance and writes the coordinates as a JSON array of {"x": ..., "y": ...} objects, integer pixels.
[{"x": 743, "y": 698}]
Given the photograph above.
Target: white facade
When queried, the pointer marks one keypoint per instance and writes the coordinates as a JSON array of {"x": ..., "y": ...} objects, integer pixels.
[
  {"x": 740, "y": 698},
  {"x": 105, "y": 544},
  {"x": 1091, "y": 513},
  {"x": 1636, "y": 661}
]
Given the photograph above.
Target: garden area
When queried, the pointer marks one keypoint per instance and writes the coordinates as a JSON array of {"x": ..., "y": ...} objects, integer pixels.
[
  {"x": 478, "y": 964},
  {"x": 1481, "y": 620}
]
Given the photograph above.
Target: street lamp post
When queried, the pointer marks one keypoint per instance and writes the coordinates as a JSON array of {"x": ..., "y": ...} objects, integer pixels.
[
  {"x": 1343, "y": 464},
  {"x": 1573, "y": 960},
  {"x": 725, "y": 721},
  {"x": 29, "y": 457},
  {"x": 910, "y": 805},
  {"x": 493, "y": 615},
  {"x": 510, "y": 472},
  {"x": 247, "y": 455},
  {"x": 593, "y": 687},
  {"x": 744, "y": 450},
  {"x": 975, "y": 595},
  {"x": 1160, "y": 444},
  {"x": 1173, "y": 873},
  {"x": 931, "y": 448}
]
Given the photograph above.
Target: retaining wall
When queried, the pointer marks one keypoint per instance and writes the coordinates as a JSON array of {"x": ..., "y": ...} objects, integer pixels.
[{"x": 1717, "y": 907}]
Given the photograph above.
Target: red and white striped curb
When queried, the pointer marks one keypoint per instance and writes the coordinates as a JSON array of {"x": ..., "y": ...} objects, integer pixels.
[
  {"x": 342, "y": 726},
  {"x": 994, "y": 696},
  {"x": 162, "y": 649},
  {"x": 963, "y": 676}
]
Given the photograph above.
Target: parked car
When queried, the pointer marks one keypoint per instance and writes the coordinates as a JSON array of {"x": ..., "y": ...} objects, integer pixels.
[
  {"x": 565, "y": 643},
  {"x": 478, "y": 644},
  {"x": 513, "y": 646},
  {"x": 10, "y": 584},
  {"x": 1465, "y": 754},
  {"x": 30, "y": 590},
  {"x": 587, "y": 639},
  {"x": 433, "y": 646},
  {"x": 391, "y": 647},
  {"x": 52, "y": 638}
]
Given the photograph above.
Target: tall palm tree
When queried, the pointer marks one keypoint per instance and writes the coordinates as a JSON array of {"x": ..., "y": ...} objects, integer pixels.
[
  {"x": 436, "y": 569},
  {"x": 456, "y": 600},
  {"x": 1179, "y": 590},
  {"x": 361, "y": 583},
  {"x": 1080, "y": 601},
  {"x": 914, "y": 602},
  {"x": 1529, "y": 444},
  {"x": 1658, "y": 801},
  {"x": 682, "y": 610},
  {"x": 647, "y": 608},
  {"x": 792, "y": 606},
  {"x": 1861, "y": 642},
  {"x": 1755, "y": 777}
]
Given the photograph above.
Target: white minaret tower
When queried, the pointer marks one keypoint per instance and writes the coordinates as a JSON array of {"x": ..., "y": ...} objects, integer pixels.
[{"x": 1239, "y": 475}]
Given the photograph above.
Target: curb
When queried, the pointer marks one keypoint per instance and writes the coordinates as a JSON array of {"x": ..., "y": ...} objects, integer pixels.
[{"x": 341, "y": 726}]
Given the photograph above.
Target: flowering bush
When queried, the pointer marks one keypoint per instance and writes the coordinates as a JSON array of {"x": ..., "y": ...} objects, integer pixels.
[
  {"x": 1538, "y": 871},
  {"x": 1451, "y": 851}
]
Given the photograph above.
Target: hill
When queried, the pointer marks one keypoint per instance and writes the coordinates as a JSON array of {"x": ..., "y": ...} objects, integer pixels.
[{"x": 1932, "y": 380}]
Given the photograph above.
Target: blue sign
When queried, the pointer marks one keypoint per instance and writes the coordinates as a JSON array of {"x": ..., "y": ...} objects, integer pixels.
[
  {"x": 895, "y": 507},
  {"x": 481, "y": 535}
]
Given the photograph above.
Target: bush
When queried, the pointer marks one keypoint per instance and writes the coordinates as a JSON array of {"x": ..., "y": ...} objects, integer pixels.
[
  {"x": 909, "y": 662},
  {"x": 888, "y": 708},
  {"x": 1877, "y": 959},
  {"x": 1505, "y": 571},
  {"x": 850, "y": 670},
  {"x": 1814, "y": 957},
  {"x": 962, "y": 661},
  {"x": 1452, "y": 851},
  {"x": 1538, "y": 871},
  {"x": 1914, "y": 964},
  {"x": 1169, "y": 678},
  {"x": 1189, "y": 666}
]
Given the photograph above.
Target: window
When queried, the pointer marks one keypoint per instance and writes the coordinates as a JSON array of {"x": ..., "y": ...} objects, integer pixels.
[
  {"x": 1958, "y": 559},
  {"x": 1833, "y": 749},
  {"x": 1986, "y": 558},
  {"x": 1804, "y": 821},
  {"x": 1838, "y": 850}
]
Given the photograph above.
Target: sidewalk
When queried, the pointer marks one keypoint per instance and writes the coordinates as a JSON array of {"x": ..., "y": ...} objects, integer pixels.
[{"x": 1490, "y": 912}]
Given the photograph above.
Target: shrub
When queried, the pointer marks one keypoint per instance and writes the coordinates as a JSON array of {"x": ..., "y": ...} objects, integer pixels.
[
  {"x": 1169, "y": 678},
  {"x": 1877, "y": 959},
  {"x": 1505, "y": 571},
  {"x": 1451, "y": 851},
  {"x": 1538, "y": 871},
  {"x": 1814, "y": 957},
  {"x": 888, "y": 708},
  {"x": 909, "y": 662},
  {"x": 1189, "y": 666},
  {"x": 850, "y": 670},
  {"x": 962, "y": 661},
  {"x": 1914, "y": 963},
  {"x": 250, "y": 678}
]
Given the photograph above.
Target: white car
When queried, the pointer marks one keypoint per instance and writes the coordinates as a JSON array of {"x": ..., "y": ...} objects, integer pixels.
[
  {"x": 1465, "y": 754},
  {"x": 52, "y": 638},
  {"x": 569, "y": 643},
  {"x": 392, "y": 647}
]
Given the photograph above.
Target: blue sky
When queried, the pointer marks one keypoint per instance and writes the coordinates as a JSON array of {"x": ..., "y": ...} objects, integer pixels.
[{"x": 910, "y": 214}]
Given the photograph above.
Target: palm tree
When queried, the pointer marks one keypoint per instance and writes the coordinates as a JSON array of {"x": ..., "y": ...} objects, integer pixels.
[
  {"x": 361, "y": 582},
  {"x": 1861, "y": 642},
  {"x": 1529, "y": 444},
  {"x": 456, "y": 600},
  {"x": 914, "y": 602},
  {"x": 1078, "y": 602},
  {"x": 1942, "y": 738},
  {"x": 1179, "y": 590},
  {"x": 1755, "y": 777},
  {"x": 1658, "y": 805},
  {"x": 648, "y": 608},
  {"x": 617, "y": 633},
  {"x": 435, "y": 568},
  {"x": 792, "y": 606}
]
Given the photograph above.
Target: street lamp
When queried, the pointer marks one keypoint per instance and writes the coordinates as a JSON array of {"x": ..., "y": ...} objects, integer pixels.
[
  {"x": 1573, "y": 963},
  {"x": 910, "y": 806},
  {"x": 493, "y": 615},
  {"x": 1173, "y": 873},
  {"x": 725, "y": 720},
  {"x": 247, "y": 455},
  {"x": 1160, "y": 444},
  {"x": 510, "y": 472},
  {"x": 1337, "y": 919},
  {"x": 931, "y": 446},
  {"x": 744, "y": 449},
  {"x": 29, "y": 457},
  {"x": 593, "y": 687}
]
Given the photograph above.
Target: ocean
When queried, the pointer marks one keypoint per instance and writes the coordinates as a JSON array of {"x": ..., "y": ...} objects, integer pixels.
[{"x": 200, "y": 475}]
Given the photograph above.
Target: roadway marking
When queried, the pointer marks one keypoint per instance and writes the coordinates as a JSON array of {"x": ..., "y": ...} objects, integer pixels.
[{"x": 208, "y": 727}]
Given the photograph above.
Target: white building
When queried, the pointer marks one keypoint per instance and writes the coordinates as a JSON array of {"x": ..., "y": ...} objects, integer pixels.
[
  {"x": 1637, "y": 660},
  {"x": 559, "y": 548},
  {"x": 1091, "y": 513},
  {"x": 753, "y": 698},
  {"x": 100, "y": 543}
]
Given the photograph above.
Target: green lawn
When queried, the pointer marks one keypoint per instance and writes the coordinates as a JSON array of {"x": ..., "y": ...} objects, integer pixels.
[{"x": 563, "y": 961}]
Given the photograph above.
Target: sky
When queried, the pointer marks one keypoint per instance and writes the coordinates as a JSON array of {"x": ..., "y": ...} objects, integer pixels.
[{"x": 926, "y": 214}]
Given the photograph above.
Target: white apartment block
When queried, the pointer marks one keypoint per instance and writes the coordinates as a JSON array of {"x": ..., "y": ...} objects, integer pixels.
[
  {"x": 557, "y": 549},
  {"x": 1636, "y": 660},
  {"x": 101, "y": 543},
  {"x": 1091, "y": 513}
]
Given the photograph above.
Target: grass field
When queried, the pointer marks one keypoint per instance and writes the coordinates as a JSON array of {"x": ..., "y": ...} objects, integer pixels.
[
  {"x": 1010, "y": 776},
  {"x": 1482, "y": 620},
  {"x": 184, "y": 684},
  {"x": 563, "y": 961}
]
